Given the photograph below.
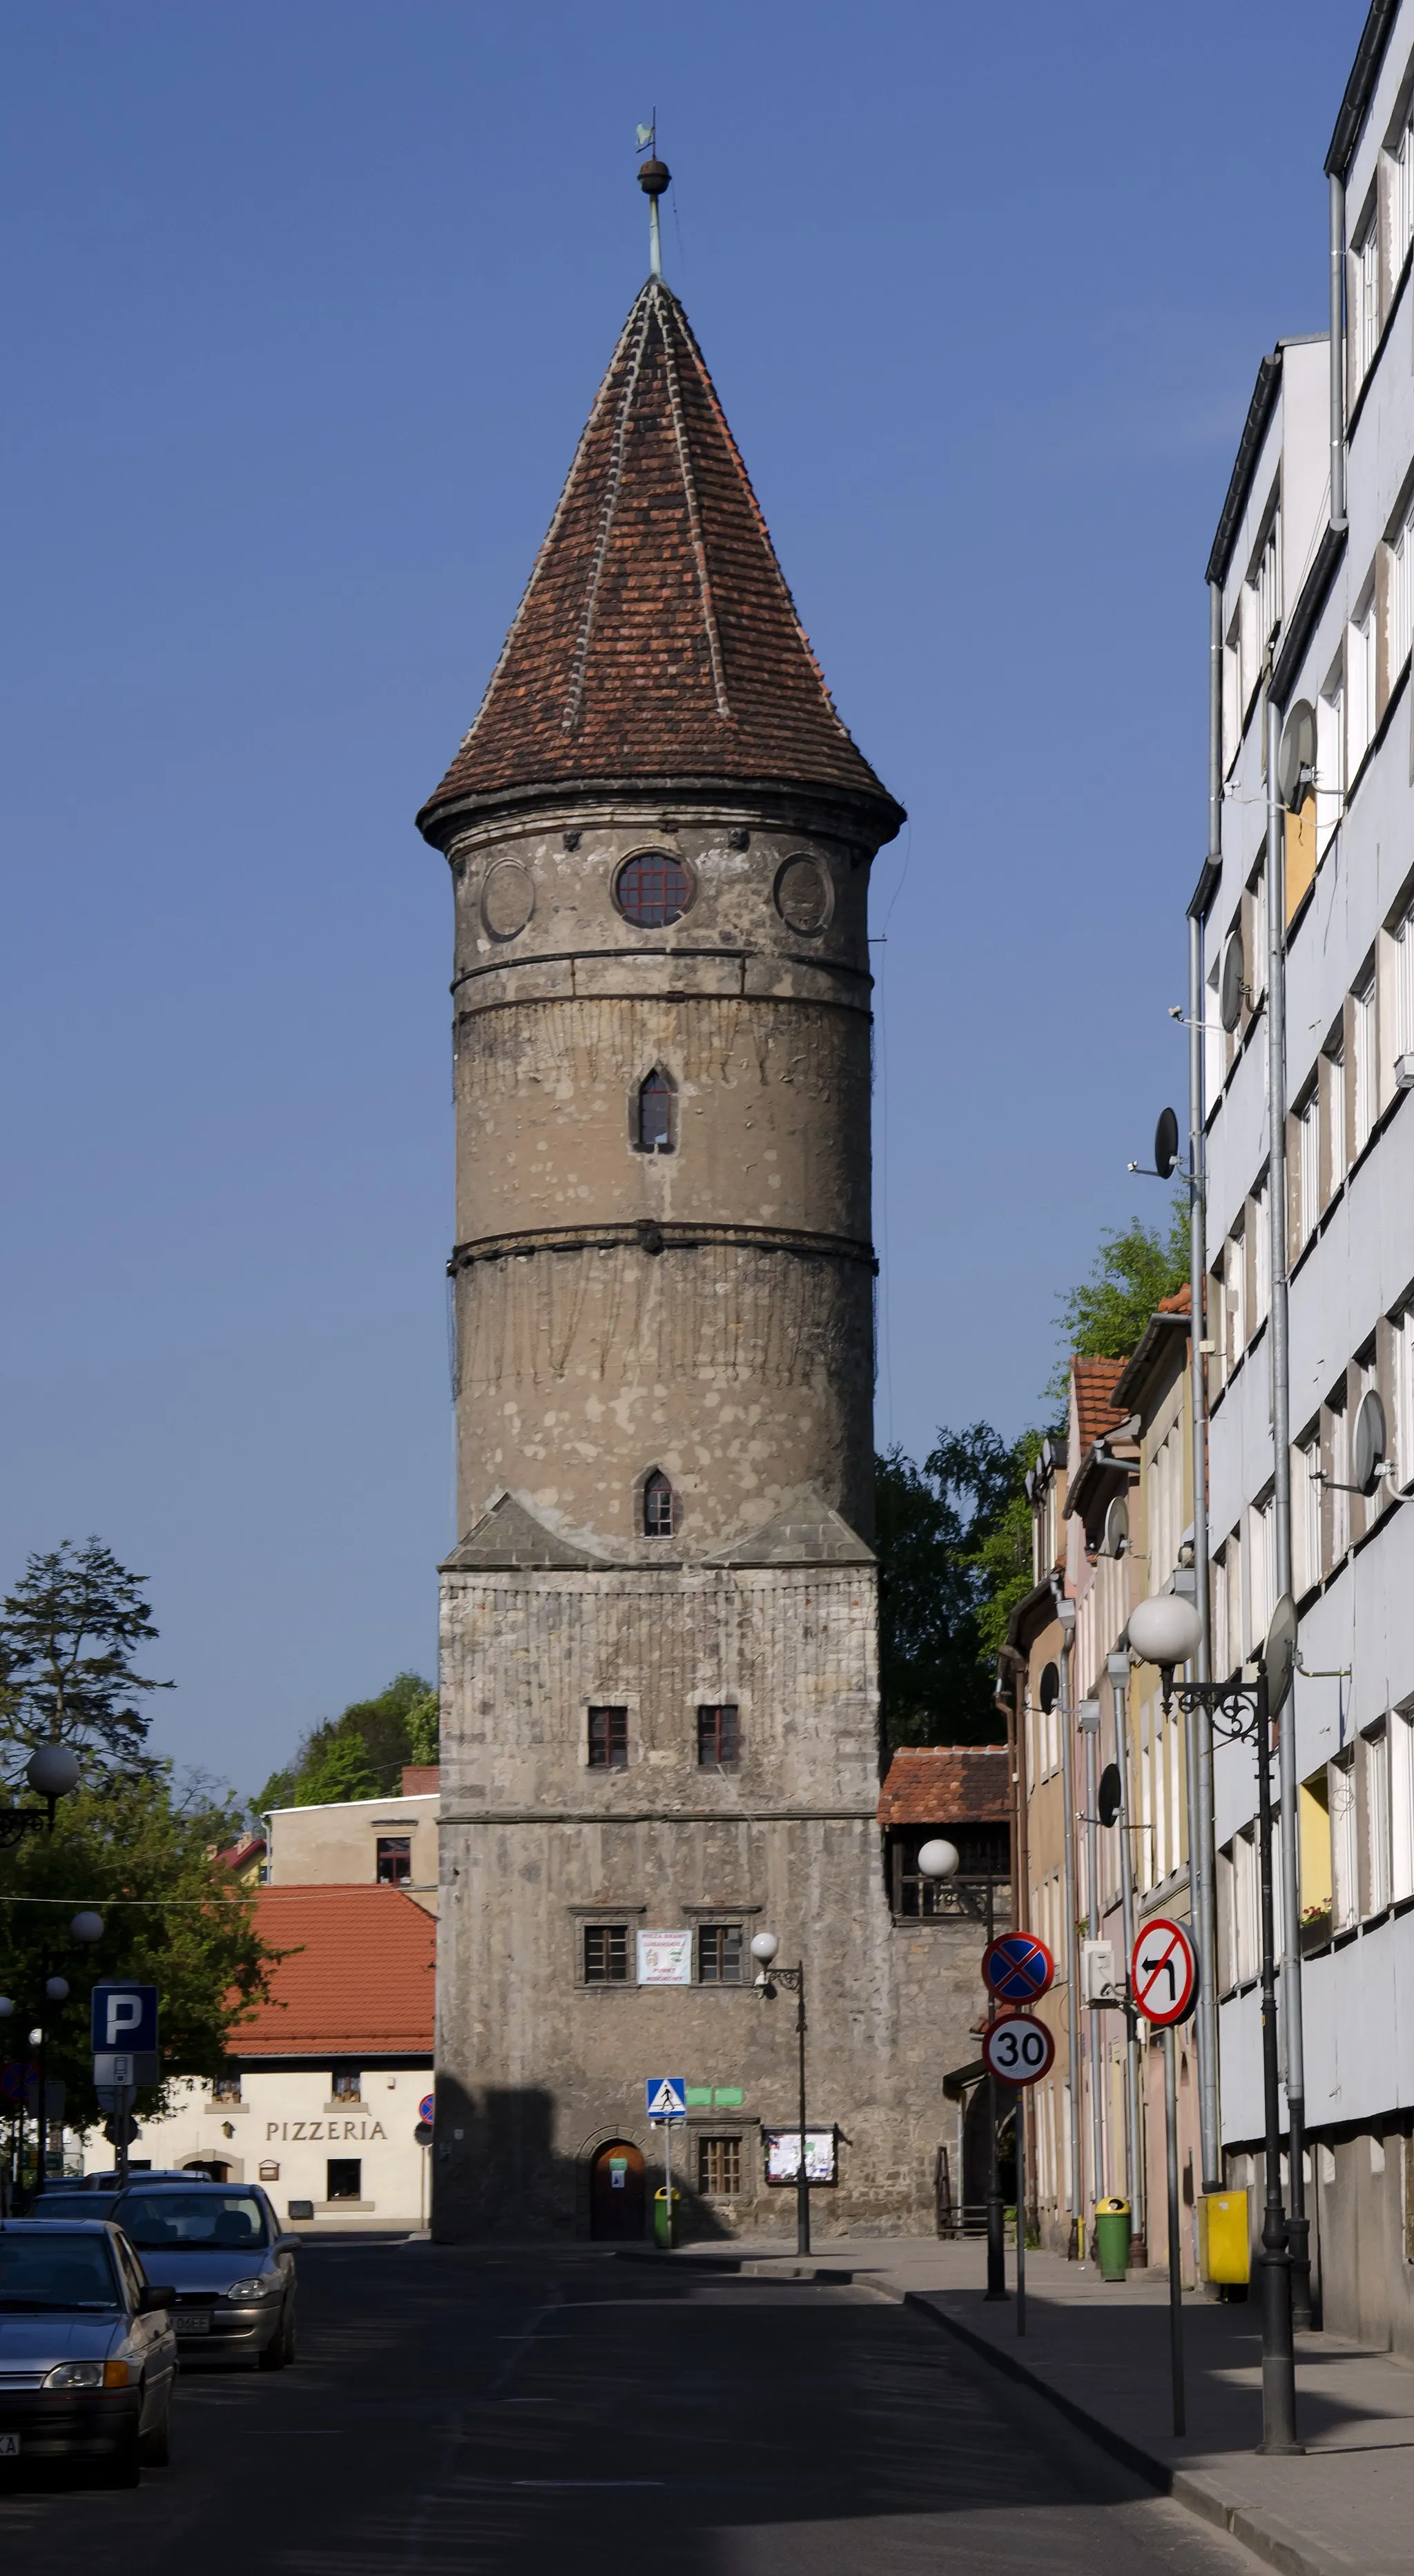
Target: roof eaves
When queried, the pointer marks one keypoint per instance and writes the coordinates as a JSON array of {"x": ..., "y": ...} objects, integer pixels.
[
  {"x": 1155, "y": 1340},
  {"x": 1099, "y": 1464},
  {"x": 1254, "y": 430},
  {"x": 1314, "y": 592},
  {"x": 1359, "y": 89}
]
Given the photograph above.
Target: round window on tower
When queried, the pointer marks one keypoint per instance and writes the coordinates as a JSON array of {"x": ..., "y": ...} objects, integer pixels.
[
  {"x": 653, "y": 890},
  {"x": 803, "y": 895}
]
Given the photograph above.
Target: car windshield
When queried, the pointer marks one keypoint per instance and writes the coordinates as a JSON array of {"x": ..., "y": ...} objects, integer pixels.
[
  {"x": 67, "y": 2204},
  {"x": 39, "y": 2272},
  {"x": 195, "y": 2221}
]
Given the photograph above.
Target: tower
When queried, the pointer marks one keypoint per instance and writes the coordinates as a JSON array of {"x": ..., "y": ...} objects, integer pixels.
[{"x": 659, "y": 1625}]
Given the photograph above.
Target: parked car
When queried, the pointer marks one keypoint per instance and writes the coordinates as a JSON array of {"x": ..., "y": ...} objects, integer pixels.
[
  {"x": 99, "y": 2192},
  {"x": 88, "y": 2356},
  {"x": 220, "y": 2244}
]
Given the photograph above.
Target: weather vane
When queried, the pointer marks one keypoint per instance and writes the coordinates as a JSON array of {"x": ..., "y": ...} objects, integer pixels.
[{"x": 653, "y": 178}]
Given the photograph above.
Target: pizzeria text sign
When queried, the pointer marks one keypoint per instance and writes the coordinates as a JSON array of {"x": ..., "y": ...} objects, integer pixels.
[{"x": 665, "y": 1958}]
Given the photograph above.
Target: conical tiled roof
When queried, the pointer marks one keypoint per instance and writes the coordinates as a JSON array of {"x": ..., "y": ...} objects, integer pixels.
[{"x": 657, "y": 640}]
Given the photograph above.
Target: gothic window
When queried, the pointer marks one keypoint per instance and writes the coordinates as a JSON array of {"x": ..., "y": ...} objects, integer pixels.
[
  {"x": 657, "y": 1506},
  {"x": 718, "y": 1738},
  {"x": 653, "y": 890},
  {"x": 653, "y": 1119},
  {"x": 608, "y": 1739}
]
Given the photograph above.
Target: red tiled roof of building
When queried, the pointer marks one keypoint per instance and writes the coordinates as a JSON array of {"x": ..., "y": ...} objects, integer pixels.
[
  {"x": 946, "y": 1784},
  {"x": 358, "y": 1981},
  {"x": 656, "y": 640},
  {"x": 1095, "y": 1382},
  {"x": 1179, "y": 1304}
]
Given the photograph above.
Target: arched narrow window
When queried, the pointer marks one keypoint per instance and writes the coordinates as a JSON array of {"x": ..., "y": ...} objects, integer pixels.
[
  {"x": 657, "y": 1506},
  {"x": 653, "y": 1130}
]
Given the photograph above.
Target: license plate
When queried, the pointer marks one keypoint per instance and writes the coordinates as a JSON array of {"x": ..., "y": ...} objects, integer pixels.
[
  {"x": 196, "y": 2324},
  {"x": 9, "y": 2446}
]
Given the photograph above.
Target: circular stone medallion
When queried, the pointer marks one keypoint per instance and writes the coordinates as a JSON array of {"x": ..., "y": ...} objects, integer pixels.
[
  {"x": 507, "y": 899},
  {"x": 803, "y": 895}
]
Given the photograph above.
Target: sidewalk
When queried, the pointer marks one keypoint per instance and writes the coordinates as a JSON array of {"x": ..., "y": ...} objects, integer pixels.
[{"x": 1100, "y": 2352}]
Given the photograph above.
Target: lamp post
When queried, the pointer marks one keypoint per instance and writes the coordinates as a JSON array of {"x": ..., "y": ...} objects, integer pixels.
[
  {"x": 1165, "y": 1630},
  {"x": 52, "y": 1771},
  {"x": 940, "y": 1860},
  {"x": 763, "y": 1948},
  {"x": 87, "y": 1927}
]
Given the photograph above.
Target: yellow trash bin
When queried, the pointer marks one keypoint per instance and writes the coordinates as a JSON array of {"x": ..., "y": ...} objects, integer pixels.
[{"x": 1224, "y": 2237}]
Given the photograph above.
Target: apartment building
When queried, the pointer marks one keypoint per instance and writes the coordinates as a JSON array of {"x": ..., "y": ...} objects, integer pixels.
[{"x": 1312, "y": 575}]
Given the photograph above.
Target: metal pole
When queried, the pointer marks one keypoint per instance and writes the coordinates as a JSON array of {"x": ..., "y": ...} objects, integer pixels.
[
  {"x": 42, "y": 2106},
  {"x": 802, "y": 2180},
  {"x": 996, "y": 2213},
  {"x": 1019, "y": 2133},
  {"x": 1118, "y": 1667},
  {"x": 1292, "y": 2032},
  {"x": 1202, "y": 1839},
  {"x": 1072, "y": 2015},
  {"x": 1278, "y": 2349},
  {"x": 1092, "y": 1875},
  {"x": 1180, "y": 2418}
]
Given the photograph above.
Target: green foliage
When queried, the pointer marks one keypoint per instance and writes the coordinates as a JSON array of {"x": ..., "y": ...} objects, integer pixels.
[
  {"x": 361, "y": 1753},
  {"x": 193, "y": 1934},
  {"x": 1104, "y": 1316},
  {"x": 67, "y": 1635},
  {"x": 953, "y": 1543}
]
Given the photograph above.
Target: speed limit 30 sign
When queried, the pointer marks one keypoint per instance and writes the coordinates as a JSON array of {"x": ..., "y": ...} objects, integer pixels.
[
  {"x": 1017, "y": 2049},
  {"x": 1164, "y": 1972}
]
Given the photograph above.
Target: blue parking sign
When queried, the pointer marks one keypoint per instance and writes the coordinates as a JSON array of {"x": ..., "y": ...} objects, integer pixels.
[{"x": 124, "y": 2019}]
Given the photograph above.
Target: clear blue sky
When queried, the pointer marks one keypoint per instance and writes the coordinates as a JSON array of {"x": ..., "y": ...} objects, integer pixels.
[{"x": 305, "y": 308}]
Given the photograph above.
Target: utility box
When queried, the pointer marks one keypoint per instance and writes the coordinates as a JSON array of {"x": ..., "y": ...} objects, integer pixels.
[{"x": 1224, "y": 2237}]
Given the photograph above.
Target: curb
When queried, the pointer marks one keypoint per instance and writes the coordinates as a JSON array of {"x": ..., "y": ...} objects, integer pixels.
[{"x": 1266, "y": 2536}]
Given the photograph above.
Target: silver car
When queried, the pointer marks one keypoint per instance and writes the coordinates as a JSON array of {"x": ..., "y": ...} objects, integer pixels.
[
  {"x": 87, "y": 2354},
  {"x": 220, "y": 2245}
]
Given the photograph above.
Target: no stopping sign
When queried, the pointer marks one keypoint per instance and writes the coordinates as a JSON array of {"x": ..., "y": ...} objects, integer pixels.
[{"x": 1017, "y": 2049}]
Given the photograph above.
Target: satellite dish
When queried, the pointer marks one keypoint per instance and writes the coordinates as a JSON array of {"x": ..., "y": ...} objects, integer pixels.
[
  {"x": 1116, "y": 1538},
  {"x": 1109, "y": 1794},
  {"x": 1296, "y": 760},
  {"x": 1279, "y": 1653},
  {"x": 1232, "y": 991},
  {"x": 1166, "y": 1144},
  {"x": 1050, "y": 1689},
  {"x": 1369, "y": 1444}
]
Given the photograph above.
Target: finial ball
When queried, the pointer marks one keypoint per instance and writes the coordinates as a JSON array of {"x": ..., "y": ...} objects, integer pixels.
[{"x": 653, "y": 177}]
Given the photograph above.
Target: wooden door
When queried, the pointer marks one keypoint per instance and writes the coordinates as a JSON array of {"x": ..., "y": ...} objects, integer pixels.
[{"x": 616, "y": 2194}]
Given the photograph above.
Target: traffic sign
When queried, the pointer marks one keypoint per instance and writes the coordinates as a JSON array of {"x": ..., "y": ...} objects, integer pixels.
[
  {"x": 1164, "y": 1972},
  {"x": 667, "y": 2097},
  {"x": 427, "y": 2108},
  {"x": 1016, "y": 1968},
  {"x": 1017, "y": 2049},
  {"x": 124, "y": 2017}
]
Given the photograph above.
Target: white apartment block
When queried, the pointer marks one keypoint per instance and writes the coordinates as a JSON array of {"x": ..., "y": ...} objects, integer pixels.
[{"x": 1320, "y": 615}]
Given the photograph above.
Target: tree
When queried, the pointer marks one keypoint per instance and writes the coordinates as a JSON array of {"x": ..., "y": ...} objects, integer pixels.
[
  {"x": 360, "y": 1753},
  {"x": 67, "y": 1635},
  {"x": 1104, "y": 1316},
  {"x": 174, "y": 1916},
  {"x": 950, "y": 1545}
]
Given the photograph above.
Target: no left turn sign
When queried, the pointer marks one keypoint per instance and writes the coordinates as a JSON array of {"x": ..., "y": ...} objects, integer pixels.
[{"x": 1163, "y": 1972}]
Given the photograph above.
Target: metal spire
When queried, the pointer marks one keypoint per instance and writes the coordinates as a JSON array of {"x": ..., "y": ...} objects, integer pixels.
[{"x": 653, "y": 178}]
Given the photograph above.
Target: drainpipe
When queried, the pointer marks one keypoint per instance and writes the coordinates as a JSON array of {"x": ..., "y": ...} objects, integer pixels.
[
  {"x": 1202, "y": 1839},
  {"x": 1298, "y": 2231},
  {"x": 1065, "y": 1613},
  {"x": 1087, "y": 1718},
  {"x": 1117, "y": 1666},
  {"x": 1337, "y": 351}
]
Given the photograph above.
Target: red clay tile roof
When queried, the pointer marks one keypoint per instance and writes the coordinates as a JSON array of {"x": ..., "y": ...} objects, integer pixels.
[
  {"x": 1095, "y": 1381},
  {"x": 656, "y": 640},
  {"x": 359, "y": 1981},
  {"x": 1179, "y": 1303},
  {"x": 946, "y": 1784}
]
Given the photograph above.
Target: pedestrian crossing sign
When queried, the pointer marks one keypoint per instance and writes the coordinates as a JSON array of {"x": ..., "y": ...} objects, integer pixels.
[{"x": 667, "y": 2097}]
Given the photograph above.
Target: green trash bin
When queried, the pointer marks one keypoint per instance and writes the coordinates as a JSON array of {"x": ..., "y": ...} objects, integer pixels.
[
  {"x": 663, "y": 2218},
  {"x": 1113, "y": 2228}
]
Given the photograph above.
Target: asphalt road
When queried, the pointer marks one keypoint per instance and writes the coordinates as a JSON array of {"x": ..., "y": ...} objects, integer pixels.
[{"x": 484, "y": 2414}]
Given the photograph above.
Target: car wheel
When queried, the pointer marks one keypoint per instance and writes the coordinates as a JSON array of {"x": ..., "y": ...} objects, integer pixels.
[
  {"x": 155, "y": 2446},
  {"x": 290, "y": 2335},
  {"x": 273, "y": 2354},
  {"x": 125, "y": 2467}
]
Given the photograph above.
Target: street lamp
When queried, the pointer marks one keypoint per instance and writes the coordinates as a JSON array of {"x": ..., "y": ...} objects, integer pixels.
[
  {"x": 939, "y": 1860},
  {"x": 1165, "y": 1630},
  {"x": 52, "y": 1771},
  {"x": 763, "y": 1948},
  {"x": 87, "y": 1927}
]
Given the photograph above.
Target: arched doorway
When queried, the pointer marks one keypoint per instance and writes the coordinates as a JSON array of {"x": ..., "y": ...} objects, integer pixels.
[{"x": 616, "y": 2193}]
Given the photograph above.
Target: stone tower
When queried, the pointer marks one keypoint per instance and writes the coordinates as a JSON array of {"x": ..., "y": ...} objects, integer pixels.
[{"x": 659, "y": 1627}]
